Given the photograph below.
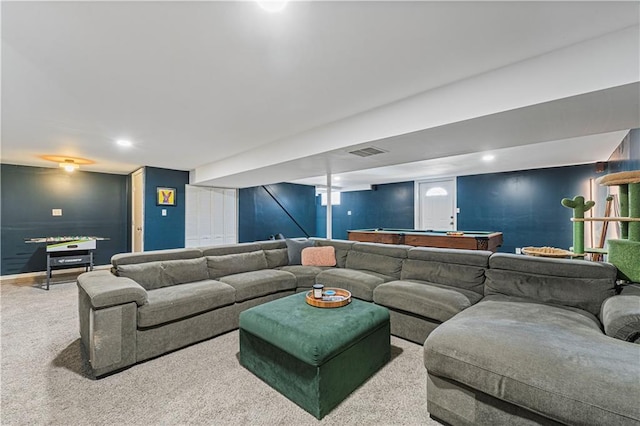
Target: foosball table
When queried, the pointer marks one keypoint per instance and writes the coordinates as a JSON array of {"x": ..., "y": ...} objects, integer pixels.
[{"x": 68, "y": 251}]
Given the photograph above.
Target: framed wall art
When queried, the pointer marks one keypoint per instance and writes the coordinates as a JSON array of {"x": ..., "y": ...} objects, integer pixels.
[{"x": 165, "y": 196}]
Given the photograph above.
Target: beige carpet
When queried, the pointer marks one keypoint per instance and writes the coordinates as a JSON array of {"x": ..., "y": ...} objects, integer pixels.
[{"x": 44, "y": 380}]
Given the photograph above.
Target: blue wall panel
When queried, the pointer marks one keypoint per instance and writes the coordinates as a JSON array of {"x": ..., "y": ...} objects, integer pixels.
[
  {"x": 259, "y": 216},
  {"x": 626, "y": 157},
  {"x": 523, "y": 205},
  {"x": 389, "y": 206},
  {"x": 93, "y": 204},
  {"x": 164, "y": 232}
]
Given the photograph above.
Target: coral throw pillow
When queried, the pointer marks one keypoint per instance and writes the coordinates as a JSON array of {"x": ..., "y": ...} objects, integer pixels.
[{"x": 319, "y": 256}]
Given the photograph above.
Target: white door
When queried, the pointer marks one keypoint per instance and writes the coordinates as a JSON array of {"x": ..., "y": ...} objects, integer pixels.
[
  {"x": 137, "y": 214},
  {"x": 217, "y": 210},
  {"x": 204, "y": 218},
  {"x": 210, "y": 216},
  {"x": 230, "y": 216},
  {"x": 436, "y": 205},
  {"x": 191, "y": 238}
]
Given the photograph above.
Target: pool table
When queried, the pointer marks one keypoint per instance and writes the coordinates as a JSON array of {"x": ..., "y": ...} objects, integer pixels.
[{"x": 470, "y": 240}]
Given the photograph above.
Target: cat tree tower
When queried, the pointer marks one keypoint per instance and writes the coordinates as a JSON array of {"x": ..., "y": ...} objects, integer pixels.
[{"x": 624, "y": 253}]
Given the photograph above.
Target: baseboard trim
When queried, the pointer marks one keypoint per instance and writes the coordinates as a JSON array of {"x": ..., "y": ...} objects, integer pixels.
[{"x": 40, "y": 278}]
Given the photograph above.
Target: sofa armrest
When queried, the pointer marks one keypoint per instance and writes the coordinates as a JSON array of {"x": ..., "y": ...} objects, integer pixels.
[
  {"x": 105, "y": 289},
  {"x": 620, "y": 316}
]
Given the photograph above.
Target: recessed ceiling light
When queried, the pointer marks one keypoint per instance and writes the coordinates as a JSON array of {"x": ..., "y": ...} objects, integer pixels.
[
  {"x": 124, "y": 142},
  {"x": 272, "y": 5},
  {"x": 488, "y": 157},
  {"x": 336, "y": 178}
]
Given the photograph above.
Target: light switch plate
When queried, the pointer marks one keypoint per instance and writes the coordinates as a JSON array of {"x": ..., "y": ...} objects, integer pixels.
[
  {"x": 56, "y": 212},
  {"x": 164, "y": 212}
]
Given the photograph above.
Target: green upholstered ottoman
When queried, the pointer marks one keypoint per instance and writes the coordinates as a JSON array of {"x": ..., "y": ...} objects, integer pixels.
[{"x": 314, "y": 356}]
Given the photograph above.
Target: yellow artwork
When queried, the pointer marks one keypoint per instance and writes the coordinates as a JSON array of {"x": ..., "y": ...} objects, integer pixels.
[{"x": 166, "y": 196}]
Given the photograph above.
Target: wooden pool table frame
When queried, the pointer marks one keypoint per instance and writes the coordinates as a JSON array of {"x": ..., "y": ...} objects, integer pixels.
[{"x": 470, "y": 241}]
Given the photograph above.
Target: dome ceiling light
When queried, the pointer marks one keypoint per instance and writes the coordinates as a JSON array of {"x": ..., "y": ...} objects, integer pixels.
[{"x": 69, "y": 164}]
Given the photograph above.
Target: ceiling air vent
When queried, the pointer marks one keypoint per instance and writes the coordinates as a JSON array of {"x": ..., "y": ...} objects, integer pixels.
[{"x": 367, "y": 152}]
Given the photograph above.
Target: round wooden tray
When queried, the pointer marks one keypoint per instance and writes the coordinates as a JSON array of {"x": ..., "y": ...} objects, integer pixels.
[
  {"x": 319, "y": 303},
  {"x": 546, "y": 252}
]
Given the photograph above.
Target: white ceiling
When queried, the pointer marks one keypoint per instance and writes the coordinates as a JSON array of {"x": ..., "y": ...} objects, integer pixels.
[{"x": 241, "y": 97}]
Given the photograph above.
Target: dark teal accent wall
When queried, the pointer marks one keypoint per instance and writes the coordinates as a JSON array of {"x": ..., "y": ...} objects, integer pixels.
[
  {"x": 164, "y": 232},
  {"x": 389, "y": 205},
  {"x": 626, "y": 157},
  {"x": 259, "y": 216},
  {"x": 93, "y": 204},
  {"x": 523, "y": 205},
  {"x": 634, "y": 137}
]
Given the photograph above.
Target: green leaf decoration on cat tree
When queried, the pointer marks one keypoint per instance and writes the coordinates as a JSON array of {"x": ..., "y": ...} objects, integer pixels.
[{"x": 579, "y": 206}]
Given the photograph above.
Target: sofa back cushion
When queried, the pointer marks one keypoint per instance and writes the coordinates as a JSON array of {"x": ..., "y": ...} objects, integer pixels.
[
  {"x": 381, "y": 258},
  {"x": 341, "y": 247},
  {"x": 294, "y": 249},
  {"x": 154, "y": 256},
  {"x": 457, "y": 268},
  {"x": 230, "y": 249},
  {"x": 153, "y": 275},
  {"x": 577, "y": 283},
  {"x": 229, "y": 264},
  {"x": 276, "y": 253},
  {"x": 452, "y": 274},
  {"x": 276, "y": 258}
]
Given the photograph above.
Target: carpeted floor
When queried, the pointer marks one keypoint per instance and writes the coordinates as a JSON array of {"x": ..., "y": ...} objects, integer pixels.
[{"x": 44, "y": 380}]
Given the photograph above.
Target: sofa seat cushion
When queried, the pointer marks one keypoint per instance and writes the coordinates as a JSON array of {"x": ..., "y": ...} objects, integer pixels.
[
  {"x": 250, "y": 285},
  {"x": 360, "y": 283},
  {"x": 305, "y": 275},
  {"x": 435, "y": 301},
  {"x": 547, "y": 359},
  {"x": 172, "y": 303}
]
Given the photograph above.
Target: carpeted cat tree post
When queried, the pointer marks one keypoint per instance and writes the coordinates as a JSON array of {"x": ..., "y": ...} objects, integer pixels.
[
  {"x": 625, "y": 252},
  {"x": 579, "y": 206}
]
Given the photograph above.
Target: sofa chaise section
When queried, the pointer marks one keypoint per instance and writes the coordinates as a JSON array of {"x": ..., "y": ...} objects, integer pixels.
[
  {"x": 541, "y": 361},
  {"x": 533, "y": 351}
]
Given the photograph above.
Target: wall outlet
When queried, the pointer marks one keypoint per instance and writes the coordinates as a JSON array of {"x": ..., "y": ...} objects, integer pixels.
[
  {"x": 56, "y": 212},
  {"x": 518, "y": 250}
]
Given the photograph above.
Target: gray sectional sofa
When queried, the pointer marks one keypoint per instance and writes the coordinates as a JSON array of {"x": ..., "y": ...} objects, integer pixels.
[{"x": 508, "y": 339}]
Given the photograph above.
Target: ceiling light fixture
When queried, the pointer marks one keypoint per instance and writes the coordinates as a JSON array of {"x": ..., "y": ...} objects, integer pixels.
[
  {"x": 69, "y": 165},
  {"x": 272, "y": 6},
  {"x": 488, "y": 157},
  {"x": 124, "y": 142}
]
